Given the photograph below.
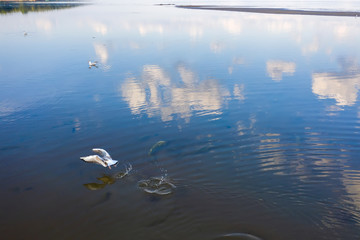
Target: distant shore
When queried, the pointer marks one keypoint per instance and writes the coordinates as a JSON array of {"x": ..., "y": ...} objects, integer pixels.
[
  {"x": 22, "y": 1},
  {"x": 31, "y": 0},
  {"x": 36, "y": 6},
  {"x": 273, "y": 10}
]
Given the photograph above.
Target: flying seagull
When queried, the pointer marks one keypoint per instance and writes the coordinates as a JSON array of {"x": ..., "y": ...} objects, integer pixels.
[{"x": 104, "y": 159}]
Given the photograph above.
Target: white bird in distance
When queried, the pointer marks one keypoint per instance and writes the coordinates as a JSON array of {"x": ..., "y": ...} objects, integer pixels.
[{"x": 92, "y": 64}]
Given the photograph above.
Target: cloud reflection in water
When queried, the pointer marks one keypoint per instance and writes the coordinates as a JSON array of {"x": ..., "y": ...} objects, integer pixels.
[
  {"x": 342, "y": 86},
  {"x": 276, "y": 69},
  {"x": 157, "y": 94},
  {"x": 101, "y": 52}
]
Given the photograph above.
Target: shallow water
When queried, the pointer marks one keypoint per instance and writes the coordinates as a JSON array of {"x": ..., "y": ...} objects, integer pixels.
[{"x": 253, "y": 121}]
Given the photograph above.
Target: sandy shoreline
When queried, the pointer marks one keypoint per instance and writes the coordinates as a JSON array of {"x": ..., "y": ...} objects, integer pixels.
[{"x": 273, "y": 10}]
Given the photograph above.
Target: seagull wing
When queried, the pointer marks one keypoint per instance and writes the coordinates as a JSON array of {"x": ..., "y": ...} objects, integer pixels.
[
  {"x": 104, "y": 154},
  {"x": 94, "y": 159}
]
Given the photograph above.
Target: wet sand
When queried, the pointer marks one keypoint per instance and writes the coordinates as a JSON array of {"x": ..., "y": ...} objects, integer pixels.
[{"x": 272, "y": 10}]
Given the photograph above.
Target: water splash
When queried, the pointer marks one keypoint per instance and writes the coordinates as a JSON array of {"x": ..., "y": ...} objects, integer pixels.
[
  {"x": 157, "y": 185},
  {"x": 127, "y": 170}
]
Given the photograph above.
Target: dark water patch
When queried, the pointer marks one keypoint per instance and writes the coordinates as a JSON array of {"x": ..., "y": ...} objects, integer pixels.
[
  {"x": 103, "y": 199},
  {"x": 20, "y": 189},
  {"x": 9, "y": 148}
]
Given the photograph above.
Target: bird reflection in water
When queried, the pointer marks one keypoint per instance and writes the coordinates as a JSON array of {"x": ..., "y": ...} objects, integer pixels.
[{"x": 109, "y": 179}]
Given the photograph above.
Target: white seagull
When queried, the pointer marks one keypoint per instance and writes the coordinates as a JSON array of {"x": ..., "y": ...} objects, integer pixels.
[
  {"x": 92, "y": 64},
  {"x": 104, "y": 159}
]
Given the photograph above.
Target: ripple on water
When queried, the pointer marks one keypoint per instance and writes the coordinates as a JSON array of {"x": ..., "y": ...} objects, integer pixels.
[
  {"x": 157, "y": 185},
  {"x": 241, "y": 236}
]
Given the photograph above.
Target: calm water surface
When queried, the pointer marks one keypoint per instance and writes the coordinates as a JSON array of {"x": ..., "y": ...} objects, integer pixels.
[{"x": 253, "y": 120}]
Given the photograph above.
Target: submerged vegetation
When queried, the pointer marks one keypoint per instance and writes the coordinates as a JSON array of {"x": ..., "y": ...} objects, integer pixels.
[{"x": 36, "y": 6}]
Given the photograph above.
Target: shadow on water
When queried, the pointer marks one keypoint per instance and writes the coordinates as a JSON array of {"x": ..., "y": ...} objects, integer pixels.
[
  {"x": 37, "y": 6},
  {"x": 108, "y": 179},
  {"x": 105, "y": 180}
]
